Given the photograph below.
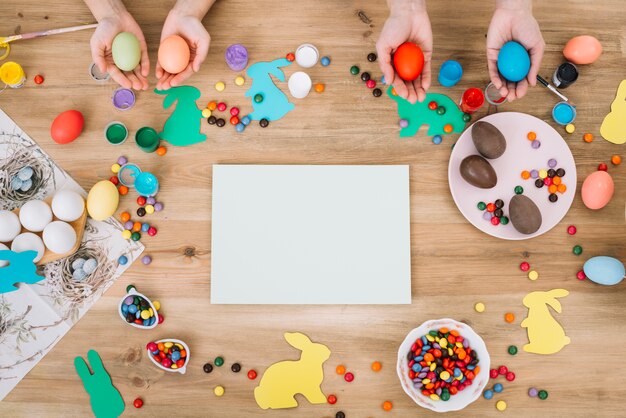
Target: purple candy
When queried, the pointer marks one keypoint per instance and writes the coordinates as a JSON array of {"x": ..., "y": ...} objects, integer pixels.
[
  {"x": 404, "y": 123},
  {"x": 551, "y": 163},
  {"x": 122, "y": 160},
  {"x": 534, "y": 174},
  {"x": 128, "y": 225},
  {"x": 150, "y": 201},
  {"x": 146, "y": 259},
  {"x": 236, "y": 57},
  {"x": 128, "y": 300},
  {"x": 487, "y": 216},
  {"x": 465, "y": 343},
  {"x": 535, "y": 144},
  {"x": 532, "y": 392},
  {"x": 158, "y": 207},
  {"x": 438, "y": 391}
]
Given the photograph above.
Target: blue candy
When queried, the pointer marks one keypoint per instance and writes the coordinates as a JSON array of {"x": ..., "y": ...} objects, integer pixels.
[
  {"x": 488, "y": 394},
  {"x": 240, "y": 127},
  {"x": 132, "y": 309},
  {"x": 437, "y": 139},
  {"x": 122, "y": 260},
  {"x": 325, "y": 61},
  {"x": 175, "y": 356},
  {"x": 416, "y": 367},
  {"x": 124, "y": 309},
  {"x": 145, "y": 227},
  {"x": 245, "y": 120},
  {"x": 498, "y": 387}
]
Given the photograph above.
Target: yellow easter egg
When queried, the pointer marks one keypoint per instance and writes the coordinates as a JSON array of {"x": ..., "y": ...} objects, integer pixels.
[{"x": 102, "y": 200}]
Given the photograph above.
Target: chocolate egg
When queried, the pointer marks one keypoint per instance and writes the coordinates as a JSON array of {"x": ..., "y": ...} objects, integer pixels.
[
  {"x": 488, "y": 140},
  {"x": 478, "y": 172},
  {"x": 524, "y": 214}
]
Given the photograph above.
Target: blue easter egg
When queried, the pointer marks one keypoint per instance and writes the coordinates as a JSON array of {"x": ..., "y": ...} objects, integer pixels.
[
  {"x": 604, "y": 270},
  {"x": 513, "y": 61}
]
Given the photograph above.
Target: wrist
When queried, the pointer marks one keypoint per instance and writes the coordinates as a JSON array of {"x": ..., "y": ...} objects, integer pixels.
[
  {"x": 399, "y": 7},
  {"x": 192, "y": 8},
  {"x": 107, "y": 9},
  {"x": 515, "y": 5}
]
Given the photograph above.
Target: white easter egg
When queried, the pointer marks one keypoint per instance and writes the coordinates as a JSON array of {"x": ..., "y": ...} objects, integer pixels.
[
  {"x": 28, "y": 241},
  {"x": 59, "y": 237},
  {"x": 35, "y": 215},
  {"x": 3, "y": 263},
  {"x": 67, "y": 205},
  {"x": 9, "y": 226}
]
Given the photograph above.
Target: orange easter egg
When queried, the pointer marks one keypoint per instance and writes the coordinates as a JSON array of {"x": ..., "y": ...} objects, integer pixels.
[
  {"x": 583, "y": 49},
  {"x": 597, "y": 190}
]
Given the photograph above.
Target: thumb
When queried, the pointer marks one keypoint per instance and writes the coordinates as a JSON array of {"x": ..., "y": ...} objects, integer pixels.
[
  {"x": 202, "y": 50},
  {"x": 384, "y": 61}
]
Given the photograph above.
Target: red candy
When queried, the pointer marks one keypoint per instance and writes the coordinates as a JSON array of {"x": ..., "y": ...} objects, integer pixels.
[
  {"x": 161, "y": 318},
  {"x": 234, "y": 120},
  {"x": 152, "y": 231},
  {"x": 152, "y": 347},
  {"x": 602, "y": 167},
  {"x": 252, "y": 374},
  {"x": 495, "y": 221},
  {"x": 141, "y": 201},
  {"x": 510, "y": 376},
  {"x": 38, "y": 79},
  {"x": 524, "y": 266},
  {"x": 234, "y": 111},
  {"x": 571, "y": 229},
  {"x": 547, "y": 181},
  {"x": 290, "y": 57},
  {"x": 581, "y": 275},
  {"x": 221, "y": 106},
  {"x": 138, "y": 403},
  {"x": 493, "y": 373},
  {"x": 332, "y": 399},
  {"x": 491, "y": 207},
  {"x": 349, "y": 377},
  {"x": 167, "y": 363},
  {"x": 114, "y": 180},
  {"x": 370, "y": 83},
  {"x": 433, "y": 105},
  {"x": 503, "y": 370}
]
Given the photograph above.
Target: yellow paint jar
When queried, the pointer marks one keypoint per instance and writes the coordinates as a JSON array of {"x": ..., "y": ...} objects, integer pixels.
[{"x": 12, "y": 74}]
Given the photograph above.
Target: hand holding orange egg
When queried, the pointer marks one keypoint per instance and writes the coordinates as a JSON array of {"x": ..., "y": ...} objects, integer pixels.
[{"x": 174, "y": 54}]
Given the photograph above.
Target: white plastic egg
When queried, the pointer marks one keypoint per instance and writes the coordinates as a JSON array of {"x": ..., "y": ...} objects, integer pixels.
[
  {"x": 9, "y": 226},
  {"x": 67, "y": 205},
  {"x": 59, "y": 237},
  {"x": 28, "y": 241},
  {"x": 3, "y": 263},
  {"x": 35, "y": 215}
]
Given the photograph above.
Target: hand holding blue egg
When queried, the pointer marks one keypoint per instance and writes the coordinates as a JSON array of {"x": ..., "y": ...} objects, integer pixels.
[{"x": 513, "y": 61}]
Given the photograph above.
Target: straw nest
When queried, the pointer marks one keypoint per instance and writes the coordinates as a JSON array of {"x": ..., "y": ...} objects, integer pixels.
[{"x": 18, "y": 154}]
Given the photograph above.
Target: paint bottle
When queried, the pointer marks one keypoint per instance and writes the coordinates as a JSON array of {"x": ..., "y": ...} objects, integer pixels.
[
  {"x": 563, "y": 113},
  {"x": 493, "y": 96},
  {"x": 565, "y": 75},
  {"x": 12, "y": 74},
  {"x": 472, "y": 100}
]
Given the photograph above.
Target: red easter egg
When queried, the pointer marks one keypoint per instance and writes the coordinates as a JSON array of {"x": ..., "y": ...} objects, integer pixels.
[
  {"x": 67, "y": 126},
  {"x": 408, "y": 60}
]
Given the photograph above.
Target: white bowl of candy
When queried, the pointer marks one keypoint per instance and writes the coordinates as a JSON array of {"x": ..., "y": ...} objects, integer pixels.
[{"x": 441, "y": 337}]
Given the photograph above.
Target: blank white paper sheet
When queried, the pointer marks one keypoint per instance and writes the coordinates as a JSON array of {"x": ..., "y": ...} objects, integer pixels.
[{"x": 310, "y": 234}]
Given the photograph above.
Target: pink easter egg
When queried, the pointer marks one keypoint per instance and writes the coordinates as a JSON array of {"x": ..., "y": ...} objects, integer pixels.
[{"x": 597, "y": 190}]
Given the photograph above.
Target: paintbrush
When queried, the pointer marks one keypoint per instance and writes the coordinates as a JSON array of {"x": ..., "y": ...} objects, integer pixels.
[{"x": 552, "y": 89}]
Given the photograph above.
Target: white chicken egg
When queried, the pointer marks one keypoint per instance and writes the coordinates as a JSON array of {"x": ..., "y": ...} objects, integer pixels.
[
  {"x": 68, "y": 205},
  {"x": 28, "y": 241},
  {"x": 59, "y": 237},
  {"x": 35, "y": 215},
  {"x": 3, "y": 263},
  {"x": 9, "y": 226}
]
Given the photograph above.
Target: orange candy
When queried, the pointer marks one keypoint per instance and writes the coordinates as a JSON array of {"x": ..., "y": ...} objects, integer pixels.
[
  {"x": 531, "y": 136},
  {"x": 319, "y": 87},
  {"x": 161, "y": 151},
  {"x": 556, "y": 180},
  {"x": 125, "y": 216},
  {"x": 553, "y": 188},
  {"x": 525, "y": 175},
  {"x": 341, "y": 369},
  {"x": 588, "y": 137},
  {"x": 561, "y": 188},
  {"x": 509, "y": 317},
  {"x": 123, "y": 190},
  {"x": 387, "y": 406},
  {"x": 211, "y": 106},
  {"x": 393, "y": 91},
  {"x": 447, "y": 128},
  {"x": 616, "y": 160},
  {"x": 376, "y": 366},
  {"x": 137, "y": 227}
]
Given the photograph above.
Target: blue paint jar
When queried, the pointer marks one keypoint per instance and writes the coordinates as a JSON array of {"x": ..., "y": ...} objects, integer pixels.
[
  {"x": 563, "y": 113},
  {"x": 450, "y": 73}
]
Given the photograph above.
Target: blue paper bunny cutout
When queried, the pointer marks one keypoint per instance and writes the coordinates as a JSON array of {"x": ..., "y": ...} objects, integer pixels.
[
  {"x": 275, "y": 104},
  {"x": 21, "y": 269}
]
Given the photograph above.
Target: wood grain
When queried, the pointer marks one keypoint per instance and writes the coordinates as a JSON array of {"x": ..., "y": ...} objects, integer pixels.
[{"x": 453, "y": 264}]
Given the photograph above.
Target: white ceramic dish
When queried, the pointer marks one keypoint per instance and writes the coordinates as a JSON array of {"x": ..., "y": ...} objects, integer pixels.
[
  {"x": 133, "y": 293},
  {"x": 462, "y": 398},
  {"x": 183, "y": 369},
  {"x": 519, "y": 156}
]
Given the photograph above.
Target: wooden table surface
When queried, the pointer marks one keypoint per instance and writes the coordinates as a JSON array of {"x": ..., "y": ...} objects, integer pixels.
[{"x": 453, "y": 264}]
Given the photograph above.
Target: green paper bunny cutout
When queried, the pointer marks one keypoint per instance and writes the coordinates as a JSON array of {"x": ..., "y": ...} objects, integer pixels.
[
  {"x": 106, "y": 401},
  {"x": 182, "y": 128}
]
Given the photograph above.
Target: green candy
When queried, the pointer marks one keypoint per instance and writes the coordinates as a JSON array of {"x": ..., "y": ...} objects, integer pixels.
[
  {"x": 219, "y": 361},
  {"x": 512, "y": 350},
  {"x": 543, "y": 394},
  {"x": 466, "y": 117},
  {"x": 519, "y": 190},
  {"x": 481, "y": 206},
  {"x": 504, "y": 220},
  {"x": 135, "y": 236},
  {"x": 441, "y": 110},
  {"x": 258, "y": 98},
  {"x": 577, "y": 250},
  {"x": 445, "y": 395},
  {"x": 354, "y": 70}
]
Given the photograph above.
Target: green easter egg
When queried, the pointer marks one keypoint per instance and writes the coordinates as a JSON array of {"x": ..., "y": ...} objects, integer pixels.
[{"x": 126, "y": 51}]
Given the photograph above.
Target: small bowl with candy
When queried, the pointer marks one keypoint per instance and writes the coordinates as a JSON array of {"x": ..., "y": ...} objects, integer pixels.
[
  {"x": 138, "y": 310},
  {"x": 169, "y": 354},
  {"x": 443, "y": 365}
]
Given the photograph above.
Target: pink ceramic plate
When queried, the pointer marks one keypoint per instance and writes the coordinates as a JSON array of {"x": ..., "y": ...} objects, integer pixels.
[{"x": 519, "y": 156}]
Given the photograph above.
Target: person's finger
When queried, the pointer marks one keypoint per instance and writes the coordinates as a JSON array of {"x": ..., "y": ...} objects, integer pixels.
[
  {"x": 202, "y": 49},
  {"x": 511, "y": 88},
  {"x": 412, "y": 93},
  {"x": 400, "y": 88},
  {"x": 384, "y": 61},
  {"x": 494, "y": 75},
  {"x": 536, "y": 54},
  {"x": 118, "y": 76},
  {"x": 419, "y": 89},
  {"x": 136, "y": 84},
  {"x": 142, "y": 79},
  {"x": 182, "y": 76},
  {"x": 164, "y": 82},
  {"x": 159, "y": 70},
  {"x": 97, "y": 54},
  {"x": 521, "y": 89},
  {"x": 425, "y": 79},
  {"x": 145, "y": 60}
]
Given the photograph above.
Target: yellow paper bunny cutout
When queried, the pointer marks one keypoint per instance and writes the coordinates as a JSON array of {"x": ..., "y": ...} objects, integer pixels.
[
  {"x": 545, "y": 334},
  {"x": 283, "y": 380},
  {"x": 613, "y": 127}
]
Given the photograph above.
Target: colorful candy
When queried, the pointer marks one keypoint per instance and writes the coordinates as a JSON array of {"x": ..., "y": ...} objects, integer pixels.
[
  {"x": 494, "y": 212},
  {"x": 138, "y": 403},
  {"x": 219, "y": 390},
  {"x": 509, "y": 317},
  {"x": 169, "y": 354},
  {"x": 533, "y": 275},
  {"x": 219, "y": 361},
  {"x": 479, "y": 307},
  {"x": 376, "y": 366},
  {"x": 387, "y": 406},
  {"x": 512, "y": 350},
  {"x": 137, "y": 310},
  {"x": 332, "y": 399},
  {"x": 577, "y": 250},
  {"x": 348, "y": 377},
  {"x": 252, "y": 374}
]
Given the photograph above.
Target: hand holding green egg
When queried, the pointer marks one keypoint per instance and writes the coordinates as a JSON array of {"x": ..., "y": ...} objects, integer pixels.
[{"x": 126, "y": 51}]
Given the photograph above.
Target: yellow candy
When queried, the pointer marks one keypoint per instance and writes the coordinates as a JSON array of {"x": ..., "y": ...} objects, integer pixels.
[
  {"x": 239, "y": 80},
  {"x": 174, "y": 366},
  {"x": 479, "y": 307},
  {"x": 444, "y": 375},
  {"x": 115, "y": 168},
  {"x": 443, "y": 342},
  {"x": 459, "y": 345},
  {"x": 219, "y": 390},
  {"x": 206, "y": 113},
  {"x": 425, "y": 381},
  {"x": 433, "y": 366},
  {"x": 570, "y": 128},
  {"x": 434, "y": 397},
  {"x": 219, "y": 86},
  {"x": 157, "y": 305},
  {"x": 126, "y": 234},
  {"x": 533, "y": 275},
  {"x": 168, "y": 345},
  {"x": 180, "y": 346},
  {"x": 450, "y": 352},
  {"x": 430, "y": 338},
  {"x": 145, "y": 314},
  {"x": 501, "y": 405},
  {"x": 149, "y": 209},
  {"x": 543, "y": 174},
  {"x": 151, "y": 311}
]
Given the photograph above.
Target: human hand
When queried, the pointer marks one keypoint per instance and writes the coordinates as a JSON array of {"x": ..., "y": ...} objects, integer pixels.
[
  {"x": 101, "y": 41},
  {"x": 190, "y": 28},
  {"x": 513, "y": 20},
  {"x": 408, "y": 21}
]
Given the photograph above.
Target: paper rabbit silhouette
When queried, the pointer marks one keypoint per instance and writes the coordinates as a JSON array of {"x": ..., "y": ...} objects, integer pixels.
[
  {"x": 21, "y": 269},
  {"x": 545, "y": 334},
  {"x": 613, "y": 127},
  {"x": 183, "y": 126},
  {"x": 275, "y": 104},
  {"x": 106, "y": 401},
  {"x": 283, "y": 380}
]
